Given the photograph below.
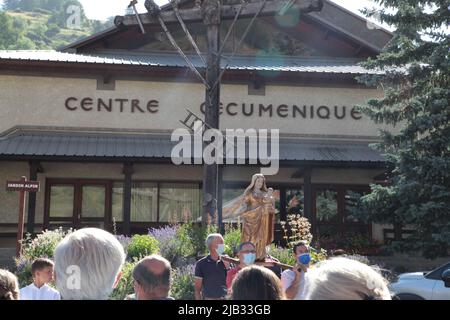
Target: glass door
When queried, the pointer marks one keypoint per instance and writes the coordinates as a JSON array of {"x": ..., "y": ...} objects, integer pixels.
[
  {"x": 77, "y": 204},
  {"x": 327, "y": 218},
  {"x": 91, "y": 211}
]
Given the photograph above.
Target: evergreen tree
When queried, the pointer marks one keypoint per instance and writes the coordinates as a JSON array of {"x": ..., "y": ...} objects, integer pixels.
[
  {"x": 416, "y": 98},
  {"x": 11, "y": 4}
]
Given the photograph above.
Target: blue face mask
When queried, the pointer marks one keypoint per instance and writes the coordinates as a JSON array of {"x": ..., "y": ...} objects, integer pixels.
[
  {"x": 249, "y": 258},
  {"x": 304, "y": 258},
  {"x": 220, "y": 249}
]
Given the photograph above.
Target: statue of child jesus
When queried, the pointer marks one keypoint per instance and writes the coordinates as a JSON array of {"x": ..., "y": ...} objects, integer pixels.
[{"x": 269, "y": 199}]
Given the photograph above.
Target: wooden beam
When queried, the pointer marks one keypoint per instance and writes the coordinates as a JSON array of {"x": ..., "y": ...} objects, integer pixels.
[
  {"x": 211, "y": 18},
  {"x": 308, "y": 195},
  {"x": 228, "y": 12},
  {"x": 35, "y": 167},
  {"x": 126, "y": 203}
]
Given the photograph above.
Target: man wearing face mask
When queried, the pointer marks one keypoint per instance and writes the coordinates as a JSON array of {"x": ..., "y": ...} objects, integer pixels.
[
  {"x": 211, "y": 271},
  {"x": 294, "y": 281},
  {"x": 247, "y": 256}
]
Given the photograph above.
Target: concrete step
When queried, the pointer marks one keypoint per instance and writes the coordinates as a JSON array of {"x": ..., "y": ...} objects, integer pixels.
[{"x": 7, "y": 258}]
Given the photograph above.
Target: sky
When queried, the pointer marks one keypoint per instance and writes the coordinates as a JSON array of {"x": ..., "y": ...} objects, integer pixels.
[{"x": 102, "y": 9}]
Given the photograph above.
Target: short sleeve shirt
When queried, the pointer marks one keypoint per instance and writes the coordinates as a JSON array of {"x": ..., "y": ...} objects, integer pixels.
[
  {"x": 287, "y": 277},
  {"x": 214, "y": 274}
]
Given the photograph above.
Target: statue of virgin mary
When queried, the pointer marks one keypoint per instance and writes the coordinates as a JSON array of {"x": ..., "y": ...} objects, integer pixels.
[{"x": 256, "y": 210}]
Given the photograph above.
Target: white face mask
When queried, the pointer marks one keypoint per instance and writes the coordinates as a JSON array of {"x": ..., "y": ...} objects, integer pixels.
[{"x": 220, "y": 249}]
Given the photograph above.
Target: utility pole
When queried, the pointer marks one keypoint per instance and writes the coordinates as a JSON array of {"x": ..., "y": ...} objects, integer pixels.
[
  {"x": 211, "y": 19},
  {"x": 211, "y": 13}
]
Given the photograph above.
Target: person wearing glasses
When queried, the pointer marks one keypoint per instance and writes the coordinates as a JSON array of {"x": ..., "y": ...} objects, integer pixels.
[{"x": 247, "y": 256}]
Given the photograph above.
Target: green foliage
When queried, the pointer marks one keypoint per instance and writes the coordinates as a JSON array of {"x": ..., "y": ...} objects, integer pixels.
[
  {"x": 45, "y": 24},
  {"x": 42, "y": 246},
  {"x": 417, "y": 94},
  {"x": 284, "y": 255},
  {"x": 125, "y": 286},
  {"x": 186, "y": 240},
  {"x": 232, "y": 239},
  {"x": 197, "y": 234},
  {"x": 141, "y": 246},
  {"x": 183, "y": 283},
  {"x": 295, "y": 229}
]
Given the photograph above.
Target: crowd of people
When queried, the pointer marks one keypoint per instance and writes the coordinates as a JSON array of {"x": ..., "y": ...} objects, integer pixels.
[{"x": 88, "y": 262}]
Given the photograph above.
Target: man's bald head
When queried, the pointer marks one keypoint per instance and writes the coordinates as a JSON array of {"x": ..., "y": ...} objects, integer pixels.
[{"x": 153, "y": 274}]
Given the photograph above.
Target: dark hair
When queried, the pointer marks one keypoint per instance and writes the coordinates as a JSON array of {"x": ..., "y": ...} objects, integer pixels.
[
  {"x": 9, "y": 288},
  {"x": 256, "y": 283},
  {"x": 244, "y": 244},
  {"x": 300, "y": 244},
  {"x": 148, "y": 280},
  {"x": 40, "y": 264}
]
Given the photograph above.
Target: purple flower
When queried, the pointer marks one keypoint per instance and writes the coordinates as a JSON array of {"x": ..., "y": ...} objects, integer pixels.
[
  {"x": 166, "y": 237},
  {"x": 164, "y": 234},
  {"x": 124, "y": 240}
]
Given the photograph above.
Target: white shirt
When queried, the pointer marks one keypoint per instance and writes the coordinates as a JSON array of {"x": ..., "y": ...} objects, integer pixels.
[
  {"x": 287, "y": 277},
  {"x": 45, "y": 292}
]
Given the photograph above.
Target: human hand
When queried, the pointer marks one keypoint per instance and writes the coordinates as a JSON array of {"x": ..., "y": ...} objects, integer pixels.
[{"x": 226, "y": 263}]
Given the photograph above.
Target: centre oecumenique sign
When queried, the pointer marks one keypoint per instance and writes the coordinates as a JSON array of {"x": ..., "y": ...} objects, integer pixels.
[{"x": 152, "y": 106}]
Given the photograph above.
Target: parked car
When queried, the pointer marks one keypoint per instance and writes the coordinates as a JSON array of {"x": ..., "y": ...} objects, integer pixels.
[{"x": 433, "y": 285}]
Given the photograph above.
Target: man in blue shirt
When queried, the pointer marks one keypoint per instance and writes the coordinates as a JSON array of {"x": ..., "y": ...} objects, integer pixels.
[{"x": 211, "y": 271}]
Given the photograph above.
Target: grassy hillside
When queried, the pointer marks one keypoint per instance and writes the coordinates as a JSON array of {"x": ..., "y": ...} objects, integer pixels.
[{"x": 36, "y": 30}]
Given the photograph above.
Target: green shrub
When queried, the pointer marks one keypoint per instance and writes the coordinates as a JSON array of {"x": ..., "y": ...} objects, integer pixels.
[
  {"x": 185, "y": 236},
  {"x": 196, "y": 233},
  {"x": 318, "y": 255},
  {"x": 232, "y": 239},
  {"x": 284, "y": 255},
  {"x": 42, "y": 246},
  {"x": 141, "y": 246},
  {"x": 23, "y": 271},
  {"x": 125, "y": 286},
  {"x": 183, "y": 283}
]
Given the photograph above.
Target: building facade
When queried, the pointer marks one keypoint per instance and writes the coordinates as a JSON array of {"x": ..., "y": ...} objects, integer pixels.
[{"x": 92, "y": 123}]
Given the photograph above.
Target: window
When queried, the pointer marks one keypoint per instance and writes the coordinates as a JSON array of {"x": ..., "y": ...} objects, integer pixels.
[
  {"x": 62, "y": 201},
  {"x": 144, "y": 202},
  {"x": 179, "y": 202},
  {"x": 351, "y": 205},
  {"x": 79, "y": 203},
  {"x": 93, "y": 202},
  {"x": 327, "y": 206},
  {"x": 336, "y": 220},
  {"x": 294, "y": 201}
]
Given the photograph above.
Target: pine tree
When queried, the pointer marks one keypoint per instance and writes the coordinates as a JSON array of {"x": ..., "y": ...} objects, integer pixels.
[
  {"x": 11, "y": 4},
  {"x": 416, "y": 86}
]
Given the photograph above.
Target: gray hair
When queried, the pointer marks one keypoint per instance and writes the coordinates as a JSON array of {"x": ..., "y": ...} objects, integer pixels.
[
  {"x": 87, "y": 263},
  {"x": 149, "y": 280},
  {"x": 211, "y": 237},
  {"x": 345, "y": 279}
]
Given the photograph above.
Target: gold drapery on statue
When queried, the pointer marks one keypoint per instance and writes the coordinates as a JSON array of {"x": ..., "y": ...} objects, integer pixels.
[
  {"x": 256, "y": 209},
  {"x": 257, "y": 224}
]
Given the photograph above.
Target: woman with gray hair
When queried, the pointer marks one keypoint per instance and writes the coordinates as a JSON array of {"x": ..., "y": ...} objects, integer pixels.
[
  {"x": 88, "y": 264},
  {"x": 345, "y": 279}
]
